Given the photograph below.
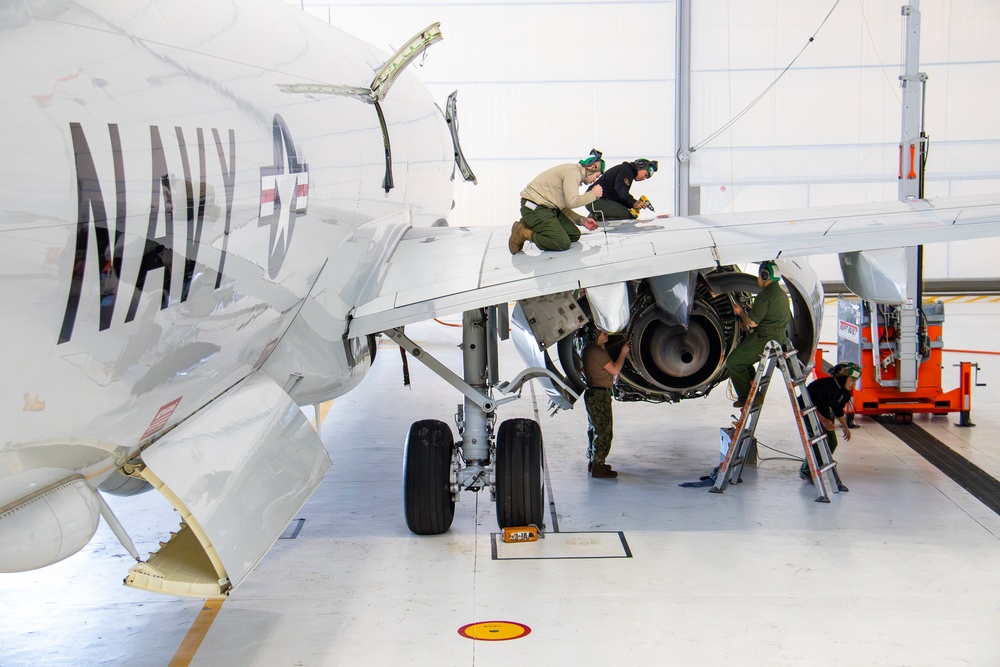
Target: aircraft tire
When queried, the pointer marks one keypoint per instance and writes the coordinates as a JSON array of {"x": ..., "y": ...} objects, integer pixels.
[
  {"x": 427, "y": 500},
  {"x": 519, "y": 481}
]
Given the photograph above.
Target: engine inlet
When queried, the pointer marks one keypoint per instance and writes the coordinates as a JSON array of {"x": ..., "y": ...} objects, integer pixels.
[{"x": 676, "y": 359}]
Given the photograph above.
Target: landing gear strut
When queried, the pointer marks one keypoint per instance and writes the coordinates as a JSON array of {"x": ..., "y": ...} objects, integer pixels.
[{"x": 507, "y": 461}]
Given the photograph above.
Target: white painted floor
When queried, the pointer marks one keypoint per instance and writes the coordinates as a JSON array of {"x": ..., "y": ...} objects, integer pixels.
[{"x": 902, "y": 570}]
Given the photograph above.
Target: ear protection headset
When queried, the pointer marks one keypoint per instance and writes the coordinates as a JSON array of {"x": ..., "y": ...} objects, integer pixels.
[
  {"x": 769, "y": 271},
  {"x": 594, "y": 161},
  {"x": 649, "y": 165}
]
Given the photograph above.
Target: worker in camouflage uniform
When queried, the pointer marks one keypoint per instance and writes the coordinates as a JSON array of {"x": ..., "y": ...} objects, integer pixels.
[
  {"x": 766, "y": 320},
  {"x": 600, "y": 373}
]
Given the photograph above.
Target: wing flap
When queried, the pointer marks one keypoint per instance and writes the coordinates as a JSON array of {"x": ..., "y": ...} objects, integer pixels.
[{"x": 237, "y": 472}]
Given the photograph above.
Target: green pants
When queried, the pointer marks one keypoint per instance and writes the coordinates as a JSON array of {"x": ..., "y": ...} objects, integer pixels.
[
  {"x": 550, "y": 228},
  {"x": 611, "y": 210},
  {"x": 600, "y": 423},
  {"x": 740, "y": 363}
]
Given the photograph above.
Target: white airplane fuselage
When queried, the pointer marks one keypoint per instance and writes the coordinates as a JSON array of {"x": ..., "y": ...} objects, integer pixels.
[
  {"x": 190, "y": 194},
  {"x": 207, "y": 210}
]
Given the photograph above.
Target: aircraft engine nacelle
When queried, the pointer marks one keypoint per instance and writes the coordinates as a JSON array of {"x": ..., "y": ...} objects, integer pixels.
[
  {"x": 672, "y": 361},
  {"x": 46, "y": 515},
  {"x": 681, "y": 328}
]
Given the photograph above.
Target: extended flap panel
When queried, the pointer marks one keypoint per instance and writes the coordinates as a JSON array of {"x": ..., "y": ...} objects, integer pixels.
[{"x": 238, "y": 471}]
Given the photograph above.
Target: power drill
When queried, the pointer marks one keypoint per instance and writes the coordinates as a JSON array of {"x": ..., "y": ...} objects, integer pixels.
[{"x": 649, "y": 205}]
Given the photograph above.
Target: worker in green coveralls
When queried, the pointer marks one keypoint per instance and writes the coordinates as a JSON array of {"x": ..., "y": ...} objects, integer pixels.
[{"x": 766, "y": 320}]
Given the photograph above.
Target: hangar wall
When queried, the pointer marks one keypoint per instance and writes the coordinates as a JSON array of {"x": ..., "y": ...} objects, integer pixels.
[{"x": 542, "y": 82}]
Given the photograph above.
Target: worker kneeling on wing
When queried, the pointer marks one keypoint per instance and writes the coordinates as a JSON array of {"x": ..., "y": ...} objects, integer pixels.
[
  {"x": 617, "y": 203},
  {"x": 547, "y": 216},
  {"x": 830, "y": 395}
]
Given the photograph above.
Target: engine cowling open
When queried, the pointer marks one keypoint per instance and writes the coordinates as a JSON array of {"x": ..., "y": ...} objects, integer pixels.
[
  {"x": 669, "y": 361},
  {"x": 675, "y": 361}
]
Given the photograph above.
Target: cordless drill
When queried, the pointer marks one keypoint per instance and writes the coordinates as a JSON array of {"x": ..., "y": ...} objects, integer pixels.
[{"x": 649, "y": 205}]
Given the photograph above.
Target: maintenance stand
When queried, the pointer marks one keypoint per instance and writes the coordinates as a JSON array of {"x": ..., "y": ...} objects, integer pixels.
[{"x": 811, "y": 431}]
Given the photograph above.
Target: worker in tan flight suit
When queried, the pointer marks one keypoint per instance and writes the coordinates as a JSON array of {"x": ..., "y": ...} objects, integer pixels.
[{"x": 547, "y": 216}]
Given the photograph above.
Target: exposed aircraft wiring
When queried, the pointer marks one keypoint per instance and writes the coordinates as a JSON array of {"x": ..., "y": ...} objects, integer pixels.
[{"x": 764, "y": 92}]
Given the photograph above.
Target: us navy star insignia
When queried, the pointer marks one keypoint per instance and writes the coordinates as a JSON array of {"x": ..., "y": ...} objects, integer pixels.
[{"x": 284, "y": 195}]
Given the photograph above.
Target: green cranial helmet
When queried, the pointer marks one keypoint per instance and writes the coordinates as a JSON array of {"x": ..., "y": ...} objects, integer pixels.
[
  {"x": 594, "y": 161},
  {"x": 847, "y": 369},
  {"x": 649, "y": 165}
]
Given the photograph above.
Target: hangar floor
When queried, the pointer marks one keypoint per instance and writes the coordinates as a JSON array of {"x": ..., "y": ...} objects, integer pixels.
[{"x": 902, "y": 570}]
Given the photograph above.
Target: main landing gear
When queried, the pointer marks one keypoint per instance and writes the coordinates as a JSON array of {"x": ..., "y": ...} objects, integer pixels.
[
  {"x": 427, "y": 497},
  {"x": 519, "y": 482},
  {"x": 507, "y": 461}
]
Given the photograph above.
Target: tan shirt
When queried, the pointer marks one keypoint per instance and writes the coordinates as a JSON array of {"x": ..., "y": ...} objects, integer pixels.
[
  {"x": 559, "y": 188},
  {"x": 595, "y": 358}
]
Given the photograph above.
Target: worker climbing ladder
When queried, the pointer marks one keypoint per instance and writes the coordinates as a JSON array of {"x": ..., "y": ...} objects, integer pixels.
[{"x": 811, "y": 431}]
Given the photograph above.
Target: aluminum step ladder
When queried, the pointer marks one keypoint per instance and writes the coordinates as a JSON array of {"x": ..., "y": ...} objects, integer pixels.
[{"x": 811, "y": 431}]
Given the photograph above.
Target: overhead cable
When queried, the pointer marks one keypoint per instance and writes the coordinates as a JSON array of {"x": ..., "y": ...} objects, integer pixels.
[{"x": 766, "y": 90}]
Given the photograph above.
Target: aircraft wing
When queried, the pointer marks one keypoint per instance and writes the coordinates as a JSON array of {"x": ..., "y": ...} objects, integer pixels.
[{"x": 441, "y": 271}]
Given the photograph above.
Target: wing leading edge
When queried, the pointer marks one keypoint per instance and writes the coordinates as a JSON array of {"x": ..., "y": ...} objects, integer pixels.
[{"x": 441, "y": 271}]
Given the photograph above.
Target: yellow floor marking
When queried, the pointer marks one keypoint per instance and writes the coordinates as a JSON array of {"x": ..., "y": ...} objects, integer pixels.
[
  {"x": 494, "y": 630},
  {"x": 959, "y": 298},
  {"x": 195, "y": 635},
  {"x": 321, "y": 411}
]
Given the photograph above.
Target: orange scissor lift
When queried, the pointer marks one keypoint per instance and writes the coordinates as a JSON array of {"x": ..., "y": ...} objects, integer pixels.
[{"x": 876, "y": 350}]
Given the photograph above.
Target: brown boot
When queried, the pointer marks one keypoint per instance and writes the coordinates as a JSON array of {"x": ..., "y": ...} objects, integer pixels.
[
  {"x": 519, "y": 233},
  {"x": 603, "y": 471}
]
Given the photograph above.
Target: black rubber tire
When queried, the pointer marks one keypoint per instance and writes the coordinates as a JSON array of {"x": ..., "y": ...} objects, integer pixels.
[
  {"x": 520, "y": 482},
  {"x": 427, "y": 501}
]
